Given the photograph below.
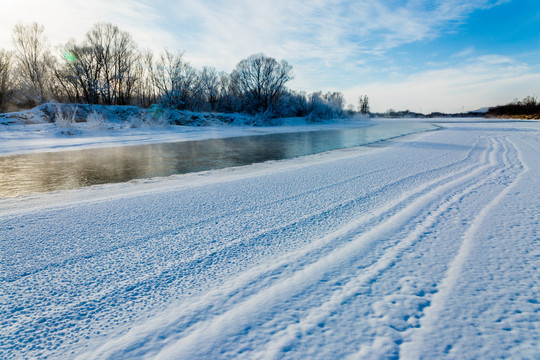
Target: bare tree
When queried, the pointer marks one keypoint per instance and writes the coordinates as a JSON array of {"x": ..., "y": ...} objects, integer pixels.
[
  {"x": 228, "y": 99},
  {"x": 103, "y": 68},
  {"x": 175, "y": 80},
  {"x": 80, "y": 75},
  {"x": 530, "y": 101},
  {"x": 363, "y": 105},
  {"x": 260, "y": 80},
  {"x": 115, "y": 53},
  {"x": 145, "y": 89},
  {"x": 209, "y": 85},
  {"x": 33, "y": 60},
  {"x": 6, "y": 85}
]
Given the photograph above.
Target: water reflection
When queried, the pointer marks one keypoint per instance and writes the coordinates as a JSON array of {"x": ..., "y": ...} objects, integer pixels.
[{"x": 20, "y": 174}]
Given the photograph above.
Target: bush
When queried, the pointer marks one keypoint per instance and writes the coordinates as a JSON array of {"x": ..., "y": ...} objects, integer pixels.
[
  {"x": 65, "y": 116},
  {"x": 95, "y": 120}
]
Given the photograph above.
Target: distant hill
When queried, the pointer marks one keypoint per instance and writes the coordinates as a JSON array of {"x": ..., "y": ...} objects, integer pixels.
[{"x": 480, "y": 111}]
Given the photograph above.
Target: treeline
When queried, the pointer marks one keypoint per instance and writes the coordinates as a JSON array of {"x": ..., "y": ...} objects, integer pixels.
[
  {"x": 529, "y": 107},
  {"x": 108, "y": 68}
]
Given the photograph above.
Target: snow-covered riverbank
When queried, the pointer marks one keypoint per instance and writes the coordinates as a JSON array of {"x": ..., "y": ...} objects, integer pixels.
[
  {"x": 31, "y": 138},
  {"x": 32, "y": 131},
  {"x": 426, "y": 247}
]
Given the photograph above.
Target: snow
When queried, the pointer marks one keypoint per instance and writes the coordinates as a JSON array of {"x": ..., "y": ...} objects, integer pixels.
[
  {"x": 30, "y": 131},
  {"x": 425, "y": 246},
  {"x": 41, "y": 137}
]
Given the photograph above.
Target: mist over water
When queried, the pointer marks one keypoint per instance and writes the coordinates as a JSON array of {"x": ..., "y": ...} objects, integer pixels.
[{"x": 43, "y": 172}]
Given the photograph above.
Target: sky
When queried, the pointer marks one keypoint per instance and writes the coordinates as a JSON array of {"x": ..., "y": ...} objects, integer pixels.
[{"x": 417, "y": 55}]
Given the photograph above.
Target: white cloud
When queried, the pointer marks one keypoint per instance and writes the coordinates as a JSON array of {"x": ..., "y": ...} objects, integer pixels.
[
  {"x": 332, "y": 31},
  {"x": 484, "y": 81},
  {"x": 220, "y": 33},
  {"x": 64, "y": 19}
]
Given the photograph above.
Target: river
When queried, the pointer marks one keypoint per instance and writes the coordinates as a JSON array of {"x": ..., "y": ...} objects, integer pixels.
[{"x": 50, "y": 171}]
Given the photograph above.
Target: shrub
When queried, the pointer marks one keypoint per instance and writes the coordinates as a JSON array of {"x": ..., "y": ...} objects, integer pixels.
[
  {"x": 65, "y": 116},
  {"x": 95, "y": 120}
]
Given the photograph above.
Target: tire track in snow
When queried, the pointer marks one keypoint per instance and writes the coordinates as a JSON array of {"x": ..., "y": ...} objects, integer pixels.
[
  {"x": 208, "y": 256},
  {"x": 171, "y": 230},
  {"x": 137, "y": 241},
  {"x": 368, "y": 275},
  {"x": 223, "y": 318},
  {"x": 397, "y": 314},
  {"x": 221, "y": 327},
  {"x": 122, "y": 292},
  {"x": 413, "y": 348}
]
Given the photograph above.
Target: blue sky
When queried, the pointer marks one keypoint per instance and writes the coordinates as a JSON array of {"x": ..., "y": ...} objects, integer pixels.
[{"x": 444, "y": 55}]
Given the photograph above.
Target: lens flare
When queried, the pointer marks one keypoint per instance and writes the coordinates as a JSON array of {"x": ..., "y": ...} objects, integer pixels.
[{"x": 69, "y": 56}]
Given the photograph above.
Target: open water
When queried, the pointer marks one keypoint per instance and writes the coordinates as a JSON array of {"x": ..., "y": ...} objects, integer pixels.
[{"x": 43, "y": 172}]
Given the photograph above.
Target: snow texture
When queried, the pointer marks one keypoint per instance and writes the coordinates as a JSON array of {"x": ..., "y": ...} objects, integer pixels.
[{"x": 424, "y": 247}]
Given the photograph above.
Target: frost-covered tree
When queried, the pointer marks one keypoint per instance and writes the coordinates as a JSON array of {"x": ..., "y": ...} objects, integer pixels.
[
  {"x": 228, "y": 99},
  {"x": 80, "y": 74},
  {"x": 34, "y": 61},
  {"x": 106, "y": 67},
  {"x": 336, "y": 101},
  {"x": 175, "y": 80},
  {"x": 326, "y": 106},
  {"x": 292, "y": 104},
  {"x": 260, "y": 81}
]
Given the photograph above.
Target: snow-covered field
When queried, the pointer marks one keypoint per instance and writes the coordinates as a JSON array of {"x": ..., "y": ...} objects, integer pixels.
[{"x": 426, "y": 247}]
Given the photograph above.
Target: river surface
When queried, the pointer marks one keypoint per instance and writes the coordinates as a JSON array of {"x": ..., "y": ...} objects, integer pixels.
[{"x": 50, "y": 171}]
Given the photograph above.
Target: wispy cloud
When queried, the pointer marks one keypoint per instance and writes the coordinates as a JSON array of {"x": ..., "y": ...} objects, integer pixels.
[
  {"x": 465, "y": 52},
  {"x": 483, "y": 81},
  {"x": 325, "y": 29},
  {"x": 220, "y": 33}
]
